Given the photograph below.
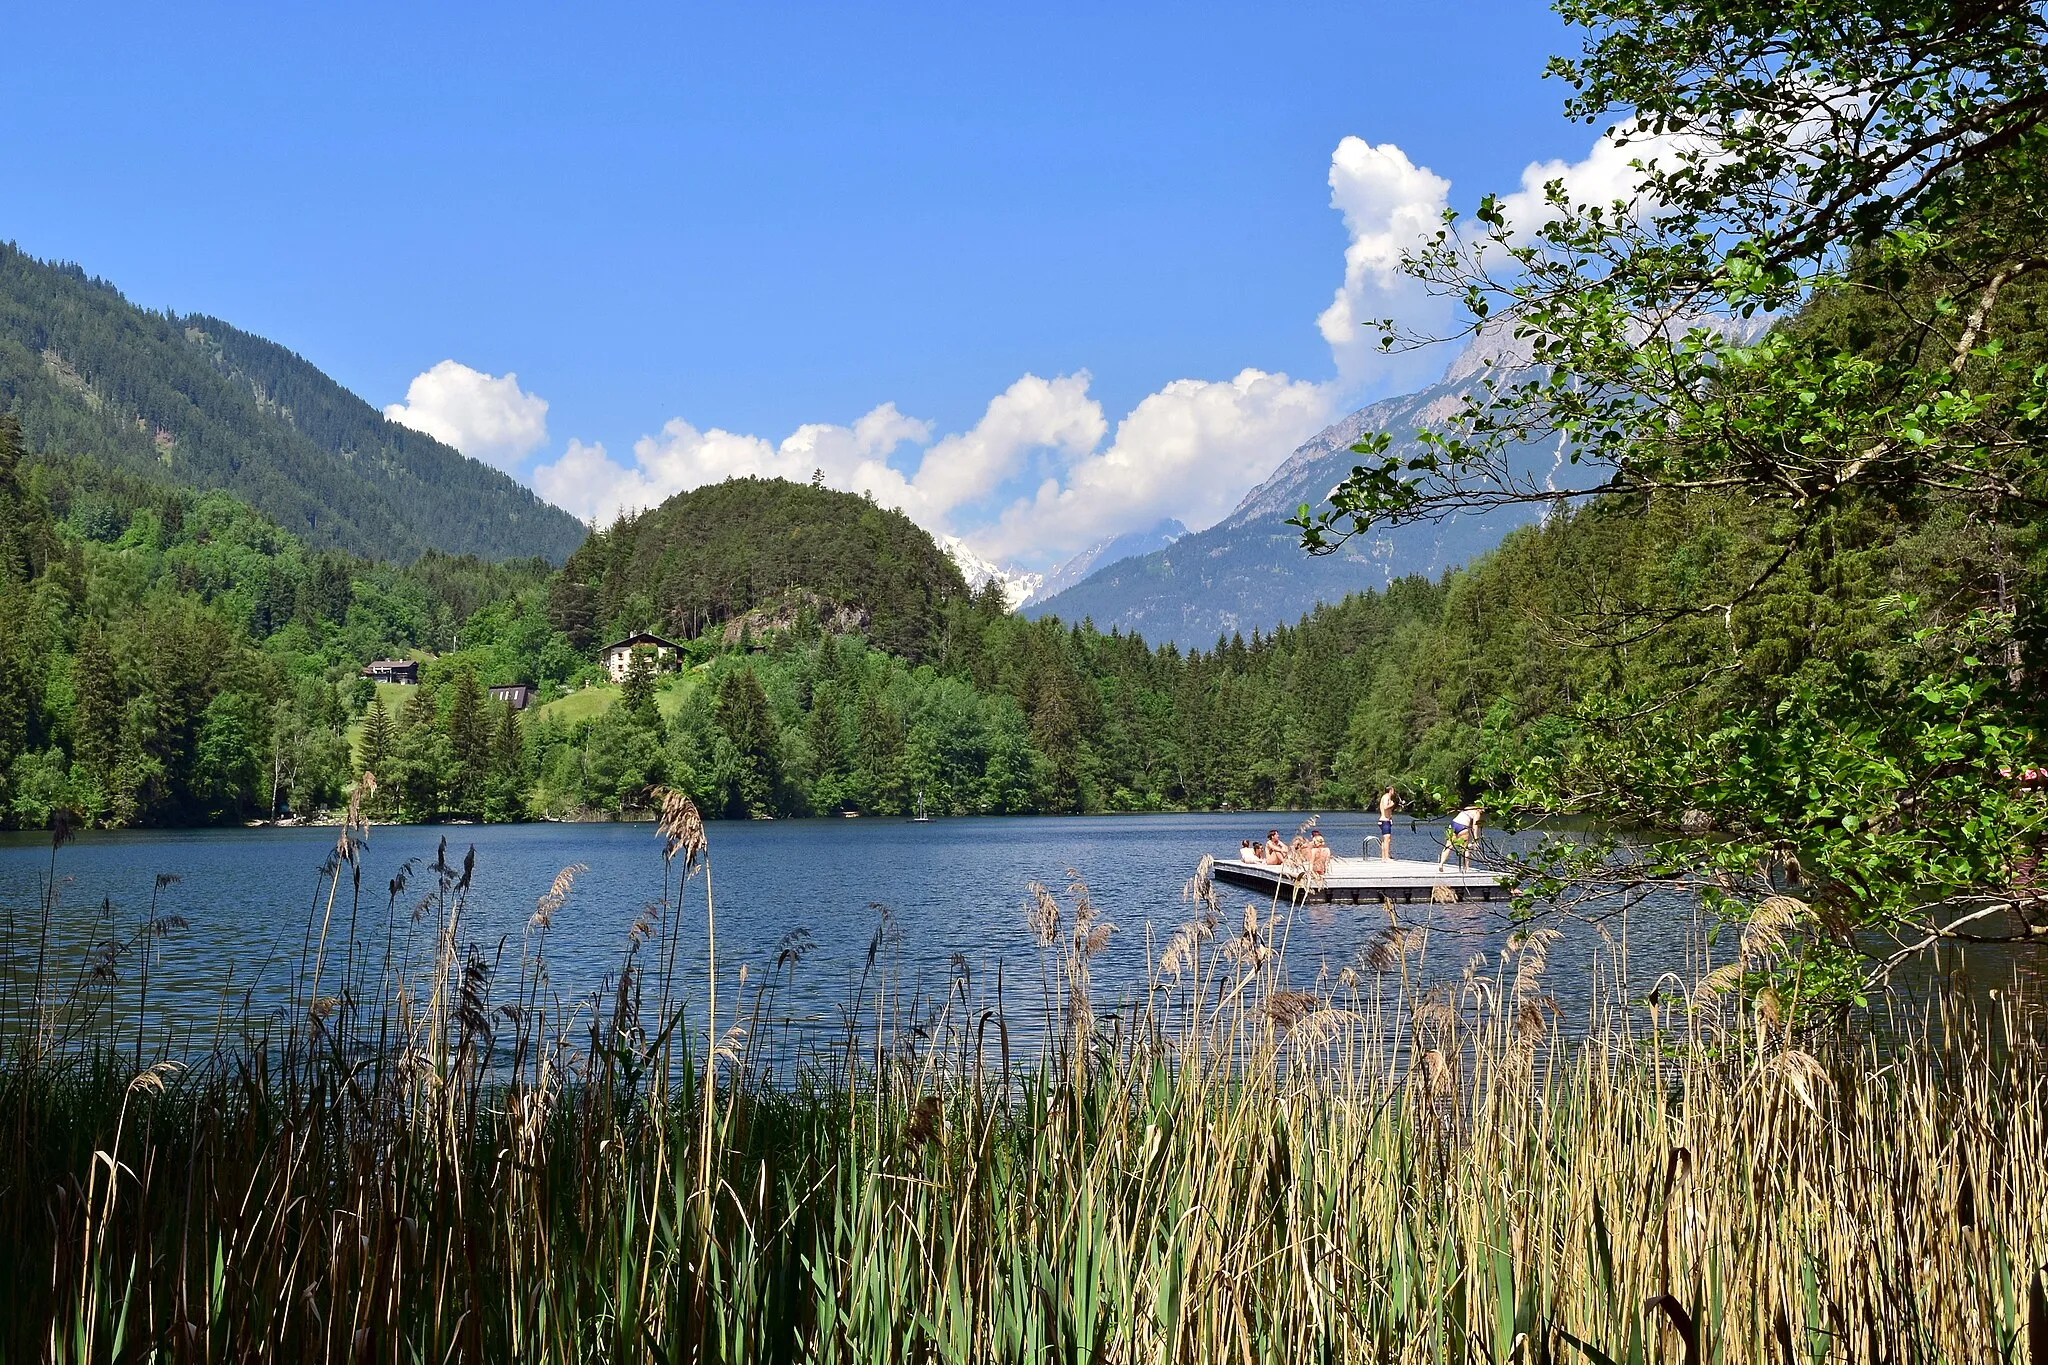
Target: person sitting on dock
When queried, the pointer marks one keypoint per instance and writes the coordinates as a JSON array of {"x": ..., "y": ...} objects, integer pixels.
[
  {"x": 1387, "y": 807},
  {"x": 1319, "y": 855},
  {"x": 1247, "y": 851},
  {"x": 1274, "y": 851},
  {"x": 1463, "y": 830}
]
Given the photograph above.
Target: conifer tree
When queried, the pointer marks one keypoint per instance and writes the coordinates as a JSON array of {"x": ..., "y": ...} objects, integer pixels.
[
  {"x": 878, "y": 753},
  {"x": 469, "y": 743},
  {"x": 508, "y": 768},
  {"x": 96, "y": 708},
  {"x": 748, "y": 724},
  {"x": 827, "y": 745},
  {"x": 636, "y": 694},
  {"x": 421, "y": 759},
  {"x": 373, "y": 752}
]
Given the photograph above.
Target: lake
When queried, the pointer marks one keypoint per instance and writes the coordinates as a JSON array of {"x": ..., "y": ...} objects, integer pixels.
[{"x": 955, "y": 892}]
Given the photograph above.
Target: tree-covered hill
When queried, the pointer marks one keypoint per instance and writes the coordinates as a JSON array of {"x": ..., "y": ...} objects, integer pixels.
[
  {"x": 709, "y": 554},
  {"x": 204, "y": 405}
]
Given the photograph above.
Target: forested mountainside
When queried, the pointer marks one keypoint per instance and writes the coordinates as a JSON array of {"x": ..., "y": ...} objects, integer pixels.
[
  {"x": 196, "y": 402},
  {"x": 710, "y": 554},
  {"x": 171, "y": 657},
  {"x": 1247, "y": 572}
]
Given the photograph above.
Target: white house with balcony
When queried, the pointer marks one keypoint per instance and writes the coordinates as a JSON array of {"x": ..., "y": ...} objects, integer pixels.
[{"x": 618, "y": 656}]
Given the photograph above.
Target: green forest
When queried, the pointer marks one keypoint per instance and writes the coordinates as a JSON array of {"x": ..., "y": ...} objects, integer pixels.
[{"x": 175, "y": 658}]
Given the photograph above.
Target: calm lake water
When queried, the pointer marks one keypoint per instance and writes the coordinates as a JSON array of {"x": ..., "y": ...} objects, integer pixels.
[{"x": 955, "y": 891}]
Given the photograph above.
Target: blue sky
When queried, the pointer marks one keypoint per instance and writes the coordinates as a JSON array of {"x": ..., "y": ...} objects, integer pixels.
[{"x": 740, "y": 220}]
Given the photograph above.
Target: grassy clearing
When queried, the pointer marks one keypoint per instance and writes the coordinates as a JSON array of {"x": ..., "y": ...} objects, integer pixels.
[
  {"x": 434, "y": 1157},
  {"x": 582, "y": 704},
  {"x": 586, "y": 703}
]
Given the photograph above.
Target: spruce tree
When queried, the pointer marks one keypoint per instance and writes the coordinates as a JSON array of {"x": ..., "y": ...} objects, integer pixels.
[
  {"x": 748, "y": 723},
  {"x": 373, "y": 747},
  {"x": 421, "y": 759},
  {"x": 878, "y": 753},
  {"x": 828, "y": 749},
  {"x": 469, "y": 743},
  {"x": 96, "y": 707},
  {"x": 636, "y": 694},
  {"x": 508, "y": 768}
]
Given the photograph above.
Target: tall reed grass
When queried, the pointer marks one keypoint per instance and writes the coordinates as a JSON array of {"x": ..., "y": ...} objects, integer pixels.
[{"x": 436, "y": 1157}]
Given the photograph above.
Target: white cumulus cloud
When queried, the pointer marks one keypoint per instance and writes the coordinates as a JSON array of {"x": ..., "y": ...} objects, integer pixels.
[
  {"x": 1606, "y": 175},
  {"x": 1032, "y": 414},
  {"x": 486, "y": 417},
  {"x": 1190, "y": 451},
  {"x": 1390, "y": 206},
  {"x": 590, "y": 483}
]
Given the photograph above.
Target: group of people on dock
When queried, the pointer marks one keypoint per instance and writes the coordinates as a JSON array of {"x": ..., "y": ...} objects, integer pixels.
[
  {"x": 1309, "y": 852},
  {"x": 1313, "y": 853}
]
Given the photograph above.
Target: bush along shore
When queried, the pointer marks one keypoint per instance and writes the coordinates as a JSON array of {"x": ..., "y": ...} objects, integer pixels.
[{"x": 433, "y": 1156}]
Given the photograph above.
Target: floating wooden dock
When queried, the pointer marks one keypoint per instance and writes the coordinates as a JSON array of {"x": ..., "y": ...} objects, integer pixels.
[{"x": 1361, "y": 881}]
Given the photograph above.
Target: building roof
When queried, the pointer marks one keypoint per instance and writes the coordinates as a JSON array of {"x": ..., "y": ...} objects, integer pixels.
[
  {"x": 391, "y": 663},
  {"x": 637, "y": 638}
]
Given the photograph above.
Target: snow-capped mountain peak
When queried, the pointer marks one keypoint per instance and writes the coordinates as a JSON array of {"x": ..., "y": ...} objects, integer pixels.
[{"x": 1019, "y": 585}]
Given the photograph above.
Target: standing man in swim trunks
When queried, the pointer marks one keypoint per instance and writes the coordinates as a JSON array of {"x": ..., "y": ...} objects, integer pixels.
[
  {"x": 1387, "y": 807},
  {"x": 1464, "y": 829}
]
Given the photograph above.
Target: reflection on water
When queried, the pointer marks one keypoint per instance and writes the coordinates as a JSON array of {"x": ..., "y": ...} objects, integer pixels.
[{"x": 254, "y": 904}]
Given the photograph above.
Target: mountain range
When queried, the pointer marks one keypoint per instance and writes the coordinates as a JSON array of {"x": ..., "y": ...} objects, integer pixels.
[
  {"x": 195, "y": 401},
  {"x": 1248, "y": 572},
  {"x": 1021, "y": 587}
]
